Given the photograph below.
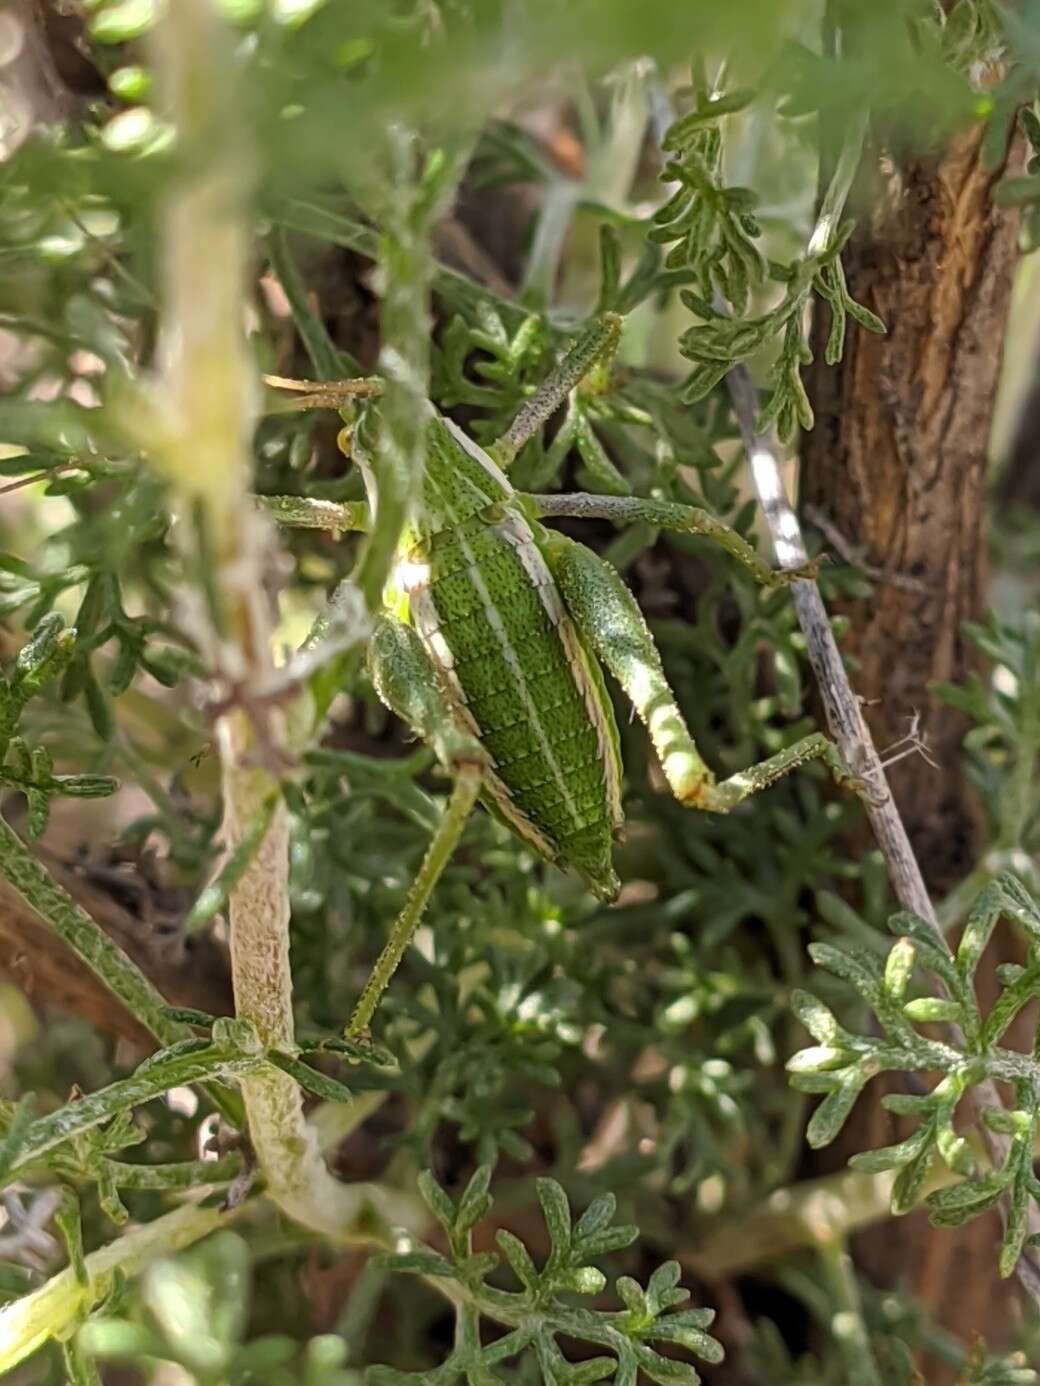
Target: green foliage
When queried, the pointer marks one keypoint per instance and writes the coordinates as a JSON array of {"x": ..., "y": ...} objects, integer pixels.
[
  {"x": 896, "y": 1326},
  {"x": 30, "y": 769},
  {"x": 541, "y": 1310},
  {"x": 842, "y": 1063},
  {"x": 716, "y": 231},
  {"x": 1004, "y": 743},
  {"x": 72, "y": 1143},
  {"x": 194, "y": 1312},
  {"x": 572, "y": 1054}
]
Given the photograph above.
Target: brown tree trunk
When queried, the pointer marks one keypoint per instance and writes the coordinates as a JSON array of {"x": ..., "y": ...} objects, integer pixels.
[
  {"x": 1019, "y": 483},
  {"x": 897, "y": 465}
]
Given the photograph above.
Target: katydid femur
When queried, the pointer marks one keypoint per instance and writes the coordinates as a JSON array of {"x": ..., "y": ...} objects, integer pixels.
[{"x": 491, "y": 640}]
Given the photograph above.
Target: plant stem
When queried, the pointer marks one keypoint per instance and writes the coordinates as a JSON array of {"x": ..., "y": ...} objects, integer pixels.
[
  {"x": 209, "y": 393},
  {"x": 832, "y": 205},
  {"x": 841, "y": 706},
  {"x": 74, "y": 926},
  {"x": 78, "y": 931},
  {"x": 151, "y": 1080},
  {"x": 49, "y": 1312}
]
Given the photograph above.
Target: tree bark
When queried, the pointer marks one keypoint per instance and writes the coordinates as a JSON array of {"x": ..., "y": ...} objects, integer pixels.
[{"x": 897, "y": 464}]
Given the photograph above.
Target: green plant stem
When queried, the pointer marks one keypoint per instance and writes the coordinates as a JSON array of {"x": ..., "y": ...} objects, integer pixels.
[
  {"x": 78, "y": 931},
  {"x": 74, "y": 926},
  {"x": 847, "y": 1325},
  {"x": 49, "y": 1312},
  {"x": 832, "y": 206},
  {"x": 182, "y": 1174},
  {"x": 209, "y": 391},
  {"x": 151, "y": 1080}
]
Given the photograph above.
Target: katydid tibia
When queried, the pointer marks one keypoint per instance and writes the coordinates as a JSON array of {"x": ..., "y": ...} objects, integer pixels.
[{"x": 492, "y": 640}]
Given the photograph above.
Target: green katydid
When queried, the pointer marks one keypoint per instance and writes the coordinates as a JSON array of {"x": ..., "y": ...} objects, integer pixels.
[{"x": 491, "y": 640}]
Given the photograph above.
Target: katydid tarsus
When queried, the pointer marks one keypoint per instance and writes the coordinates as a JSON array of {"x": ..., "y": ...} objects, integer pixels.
[{"x": 493, "y": 636}]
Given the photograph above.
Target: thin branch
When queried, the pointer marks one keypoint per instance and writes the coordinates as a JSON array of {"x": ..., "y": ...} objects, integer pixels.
[
  {"x": 49, "y": 1312},
  {"x": 842, "y": 707}
]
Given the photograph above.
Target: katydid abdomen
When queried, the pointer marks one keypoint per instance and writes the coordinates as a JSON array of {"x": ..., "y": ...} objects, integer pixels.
[{"x": 487, "y": 609}]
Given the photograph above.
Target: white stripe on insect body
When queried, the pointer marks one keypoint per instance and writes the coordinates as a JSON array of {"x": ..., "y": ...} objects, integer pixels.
[
  {"x": 517, "y": 533},
  {"x": 423, "y": 611},
  {"x": 533, "y": 713},
  {"x": 478, "y": 454}
]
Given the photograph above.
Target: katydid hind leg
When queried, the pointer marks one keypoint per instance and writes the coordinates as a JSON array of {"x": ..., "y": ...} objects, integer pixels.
[
  {"x": 609, "y": 618},
  {"x": 405, "y": 680}
]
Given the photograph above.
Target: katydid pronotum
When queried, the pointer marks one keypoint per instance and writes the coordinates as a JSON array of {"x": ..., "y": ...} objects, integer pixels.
[{"x": 492, "y": 636}]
